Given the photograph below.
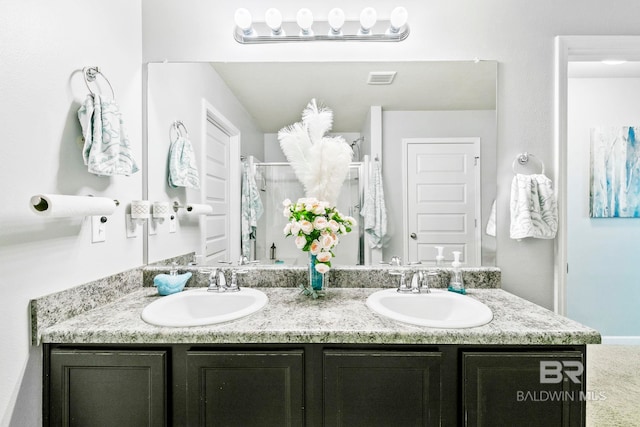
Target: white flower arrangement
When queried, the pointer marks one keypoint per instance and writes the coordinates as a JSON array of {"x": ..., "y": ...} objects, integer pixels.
[{"x": 316, "y": 226}]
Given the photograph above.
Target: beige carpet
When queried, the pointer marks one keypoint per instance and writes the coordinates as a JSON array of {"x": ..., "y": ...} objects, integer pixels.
[{"x": 613, "y": 372}]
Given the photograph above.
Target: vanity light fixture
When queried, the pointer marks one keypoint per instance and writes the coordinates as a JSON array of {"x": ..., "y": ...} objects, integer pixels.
[
  {"x": 336, "y": 21},
  {"x": 398, "y": 20},
  {"x": 368, "y": 18},
  {"x": 273, "y": 19},
  {"x": 336, "y": 27},
  {"x": 243, "y": 22},
  {"x": 304, "y": 19}
]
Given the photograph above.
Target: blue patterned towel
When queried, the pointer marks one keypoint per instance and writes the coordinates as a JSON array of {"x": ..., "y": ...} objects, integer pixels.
[
  {"x": 251, "y": 207},
  {"x": 106, "y": 148},
  {"x": 182, "y": 165},
  {"x": 374, "y": 209}
]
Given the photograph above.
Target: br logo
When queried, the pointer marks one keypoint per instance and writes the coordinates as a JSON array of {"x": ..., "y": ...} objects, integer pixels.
[{"x": 553, "y": 371}]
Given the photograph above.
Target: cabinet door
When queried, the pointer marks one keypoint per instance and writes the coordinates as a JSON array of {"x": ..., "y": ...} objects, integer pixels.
[
  {"x": 505, "y": 388},
  {"x": 107, "y": 388},
  {"x": 381, "y": 388},
  {"x": 250, "y": 388}
]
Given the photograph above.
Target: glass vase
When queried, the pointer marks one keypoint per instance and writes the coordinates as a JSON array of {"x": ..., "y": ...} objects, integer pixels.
[{"x": 316, "y": 279}]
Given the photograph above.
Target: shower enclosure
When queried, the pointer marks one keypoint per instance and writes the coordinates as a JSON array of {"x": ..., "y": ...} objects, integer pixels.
[{"x": 277, "y": 182}]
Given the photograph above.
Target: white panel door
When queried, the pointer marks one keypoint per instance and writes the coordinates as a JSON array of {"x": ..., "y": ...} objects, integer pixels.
[
  {"x": 217, "y": 229},
  {"x": 442, "y": 198}
]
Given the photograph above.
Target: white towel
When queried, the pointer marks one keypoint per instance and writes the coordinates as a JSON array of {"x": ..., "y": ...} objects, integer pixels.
[
  {"x": 251, "y": 206},
  {"x": 374, "y": 210},
  {"x": 491, "y": 222},
  {"x": 534, "y": 212},
  {"x": 183, "y": 171},
  {"x": 106, "y": 145}
]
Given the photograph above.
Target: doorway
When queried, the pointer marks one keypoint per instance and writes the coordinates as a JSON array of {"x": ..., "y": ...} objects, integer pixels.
[
  {"x": 596, "y": 277},
  {"x": 441, "y": 180},
  {"x": 220, "y": 231}
]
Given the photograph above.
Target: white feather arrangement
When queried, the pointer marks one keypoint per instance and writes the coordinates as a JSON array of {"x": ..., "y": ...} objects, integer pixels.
[{"x": 320, "y": 162}]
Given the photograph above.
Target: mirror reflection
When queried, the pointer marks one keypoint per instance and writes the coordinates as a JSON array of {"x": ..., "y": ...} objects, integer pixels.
[{"x": 417, "y": 127}]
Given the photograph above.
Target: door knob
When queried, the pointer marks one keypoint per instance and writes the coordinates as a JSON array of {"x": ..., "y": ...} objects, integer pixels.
[{"x": 414, "y": 236}]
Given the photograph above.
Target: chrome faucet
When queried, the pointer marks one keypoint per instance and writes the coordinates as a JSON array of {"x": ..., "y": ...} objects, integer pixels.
[{"x": 217, "y": 281}]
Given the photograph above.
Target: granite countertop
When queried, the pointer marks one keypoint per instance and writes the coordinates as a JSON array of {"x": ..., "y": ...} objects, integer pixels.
[{"x": 340, "y": 317}]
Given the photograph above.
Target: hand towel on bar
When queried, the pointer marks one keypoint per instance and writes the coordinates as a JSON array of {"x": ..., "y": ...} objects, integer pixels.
[
  {"x": 534, "y": 212},
  {"x": 374, "y": 210},
  {"x": 183, "y": 171},
  {"x": 106, "y": 148},
  {"x": 491, "y": 222},
  {"x": 251, "y": 207}
]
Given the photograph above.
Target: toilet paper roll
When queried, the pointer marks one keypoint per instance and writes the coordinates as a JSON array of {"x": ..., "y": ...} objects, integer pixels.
[
  {"x": 58, "y": 206},
  {"x": 140, "y": 209},
  {"x": 196, "y": 209}
]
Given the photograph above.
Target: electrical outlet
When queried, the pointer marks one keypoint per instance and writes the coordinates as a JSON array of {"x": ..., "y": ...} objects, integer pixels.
[
  {"x": 172, "y": 223},
  {"x": 152, "y": 226},
  {"x": 133, "y": 227},
  {"x": 98, "y": 228}
]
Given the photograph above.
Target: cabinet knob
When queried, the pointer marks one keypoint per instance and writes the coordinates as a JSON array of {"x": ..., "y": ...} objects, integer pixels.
[{"x": 414, "y": 236}]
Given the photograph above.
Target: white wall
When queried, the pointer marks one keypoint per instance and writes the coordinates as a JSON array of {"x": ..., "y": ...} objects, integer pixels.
[
  {"x": 176, "y": 92},
  {"x": 518, "y": 34},
  {"x": 43, "y": 47},
  {"x": 602, "y": 284},
  {"x": 397, "y": 125}
]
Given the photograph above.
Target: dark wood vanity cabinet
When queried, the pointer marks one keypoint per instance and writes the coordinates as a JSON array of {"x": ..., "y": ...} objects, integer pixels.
[
  {"x": 381, "y": 388},
  {"x": 106, "y": 388},
  {"x": 312, "y": 385},
  {"x": 500, "y": 387},
  {"x": 245, "y": 388}
]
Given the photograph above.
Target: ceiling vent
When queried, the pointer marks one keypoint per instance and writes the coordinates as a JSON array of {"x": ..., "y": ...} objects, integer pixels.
[{"x": 381, "y": 77}]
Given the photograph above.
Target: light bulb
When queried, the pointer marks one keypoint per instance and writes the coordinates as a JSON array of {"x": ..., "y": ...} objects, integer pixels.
[
  {"x": 304, "y": 18},
  {"x": 243, "y": 21},
  {"x": 368, "y": 18},
  {"x": 398, "y": 18},
  {"x": 336, "y": 21},
  {"x": 273, "y": 19}
]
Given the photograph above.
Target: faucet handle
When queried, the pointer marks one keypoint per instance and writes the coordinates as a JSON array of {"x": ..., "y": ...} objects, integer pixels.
[
  {"x": 402, "y": 287},
  {"x": 233, "y": 286}
]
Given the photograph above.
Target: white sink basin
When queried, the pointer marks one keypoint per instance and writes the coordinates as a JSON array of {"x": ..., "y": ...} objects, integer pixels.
[
  {"x": 199, "y": 307},
  {"x": 438, "y": 309}
]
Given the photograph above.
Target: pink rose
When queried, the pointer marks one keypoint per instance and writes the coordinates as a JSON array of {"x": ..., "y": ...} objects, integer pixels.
[
  {"x": 300, "y": 242},
  {"x": 306, "y": 226},
  {"x": 315, "y": 247},
  {"x": 333, "y": 225},
  {"x": 326, "y": 241},
  {"x": 322, "y": 268},
  {"x": 324, "y": 256},
  {"x": 320, "y": 223},
  {"x": 287, "y": 229}
]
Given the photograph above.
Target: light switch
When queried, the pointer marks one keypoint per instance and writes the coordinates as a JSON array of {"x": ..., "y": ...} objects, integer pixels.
[
  {"x": 172, "y": 223},
  {"x": 98, "y": 228}
]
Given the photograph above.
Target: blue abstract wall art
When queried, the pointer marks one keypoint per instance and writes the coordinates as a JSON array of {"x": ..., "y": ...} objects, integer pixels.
[{"x": 615, "y": 172}]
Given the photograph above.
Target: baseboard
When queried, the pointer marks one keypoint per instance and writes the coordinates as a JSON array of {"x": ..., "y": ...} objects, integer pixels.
[{"x": 621, "y": 340}]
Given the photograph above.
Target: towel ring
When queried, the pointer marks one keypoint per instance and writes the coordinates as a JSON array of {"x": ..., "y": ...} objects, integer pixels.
[
  {"x": 523, "y": 159},
  {"x": 175, "y": 126},
  {"x": 179, "y": 123},
  {"x": 90, "y": 74}
]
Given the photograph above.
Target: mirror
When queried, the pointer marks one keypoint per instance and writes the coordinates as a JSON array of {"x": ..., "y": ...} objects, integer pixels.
[{"x": 426, "y": 99}]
